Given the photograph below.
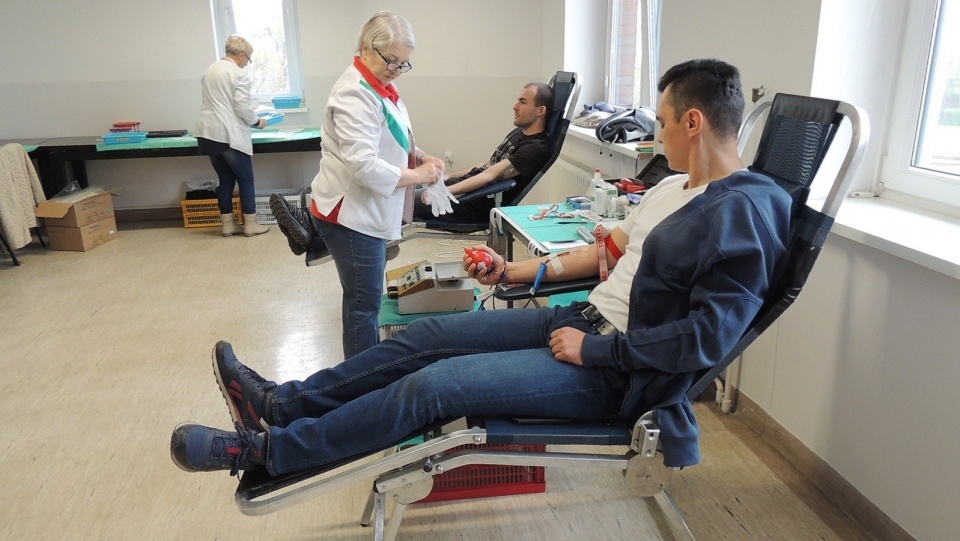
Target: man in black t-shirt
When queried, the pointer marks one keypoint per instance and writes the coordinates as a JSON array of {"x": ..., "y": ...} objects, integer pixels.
[{"x": 521, "y": 155}]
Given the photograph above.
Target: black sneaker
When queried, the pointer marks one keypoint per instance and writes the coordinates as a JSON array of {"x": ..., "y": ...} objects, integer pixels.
[
  {"x": 393, "y": 250},
  {"x": 294, "y": 247},
  {"x": 196, "y": 448},
  {"x": 318, "y": 254},
  {"x": 247, "y": 394},
  {"x": 294, "y": 222}
]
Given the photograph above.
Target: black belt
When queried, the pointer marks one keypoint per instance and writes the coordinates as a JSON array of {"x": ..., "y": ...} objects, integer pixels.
[{"x": 597, "y": 321}]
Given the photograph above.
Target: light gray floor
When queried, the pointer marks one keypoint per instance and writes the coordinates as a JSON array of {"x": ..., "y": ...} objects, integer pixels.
[{"x": 104, "y": 352}]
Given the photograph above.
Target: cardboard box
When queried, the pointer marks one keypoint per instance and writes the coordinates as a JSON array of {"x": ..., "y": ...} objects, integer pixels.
[
  {"x": 71, "y": 212},
  {"x": 84, "y": 238}
]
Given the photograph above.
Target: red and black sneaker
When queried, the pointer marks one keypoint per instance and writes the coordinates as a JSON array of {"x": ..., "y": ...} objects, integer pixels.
[{"x": 247, "y": 394}]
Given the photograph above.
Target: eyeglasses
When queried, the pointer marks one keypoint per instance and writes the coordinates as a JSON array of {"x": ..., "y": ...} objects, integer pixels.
[{"x": 395, "y": 66}]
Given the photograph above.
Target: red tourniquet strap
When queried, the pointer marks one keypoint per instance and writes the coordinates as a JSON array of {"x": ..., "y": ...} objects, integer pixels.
[{"x": 613, "y": 249}]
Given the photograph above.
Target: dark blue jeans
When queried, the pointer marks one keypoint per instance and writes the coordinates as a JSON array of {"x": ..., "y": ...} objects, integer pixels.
[
  {"x": 361, "y": 262},
  {"x": 234, "y": 168},
  {"x": 495, "y": 362}
]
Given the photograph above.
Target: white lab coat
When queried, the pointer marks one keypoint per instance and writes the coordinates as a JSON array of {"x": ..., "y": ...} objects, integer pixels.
[
  {"x": 361, "y": 158},
  {"x": 226, "y": 112}
]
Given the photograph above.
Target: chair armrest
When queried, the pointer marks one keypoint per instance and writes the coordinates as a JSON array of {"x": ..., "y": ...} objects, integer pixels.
[
  {"x": 521, "y": 292},
  {"x": 489, "y": 189}
]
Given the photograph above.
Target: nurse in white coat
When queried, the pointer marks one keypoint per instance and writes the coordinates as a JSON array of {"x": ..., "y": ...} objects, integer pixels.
[
  {"x": 368, "y": 160},
  {"x": 223, "y": 134}
]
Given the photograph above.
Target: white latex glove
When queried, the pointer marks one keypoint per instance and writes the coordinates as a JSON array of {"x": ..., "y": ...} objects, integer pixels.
[{"x": 438, "y": 196}]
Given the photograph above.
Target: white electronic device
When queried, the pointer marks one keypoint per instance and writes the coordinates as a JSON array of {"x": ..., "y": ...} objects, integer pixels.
[{"x": 431, "y": 287}]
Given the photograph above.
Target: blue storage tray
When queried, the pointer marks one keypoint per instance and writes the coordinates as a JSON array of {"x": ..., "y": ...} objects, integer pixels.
[
  {"x": 272, "y": 118},
  {"x": 125, "y": 137},
  {"x": 286, "y": 102}
]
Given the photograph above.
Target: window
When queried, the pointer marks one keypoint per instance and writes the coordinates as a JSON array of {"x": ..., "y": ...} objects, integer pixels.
[
  {"x": 271, "y": 27},
  {"x": 634, "y": 31},
  {"x": 924, "y": 144}
]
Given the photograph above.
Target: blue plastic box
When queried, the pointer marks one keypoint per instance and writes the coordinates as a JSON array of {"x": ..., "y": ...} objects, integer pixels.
[
  {"x": 272, "y": 118},
  {"x": 286, "y": 102},
  {"x": 579, "y": 202},
  {"x": 125, "y": 137}
]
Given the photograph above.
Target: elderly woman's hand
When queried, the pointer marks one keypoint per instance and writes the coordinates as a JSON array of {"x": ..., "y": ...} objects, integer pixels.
[
  {"x": 437, "y": 162},
  {"x": 428, "y": 173}
]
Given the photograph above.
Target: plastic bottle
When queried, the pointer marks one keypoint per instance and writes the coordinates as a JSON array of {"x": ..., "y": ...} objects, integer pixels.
[
  {"x": 594, "y": 182},
  {"x": 610, "y": 208},
  {"x": 596, "y": 188}
]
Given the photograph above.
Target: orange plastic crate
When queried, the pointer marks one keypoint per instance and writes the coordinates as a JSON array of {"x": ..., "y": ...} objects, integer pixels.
[
  {"x": 206, "y": 212},
  {"x": 484, "y": 481}
]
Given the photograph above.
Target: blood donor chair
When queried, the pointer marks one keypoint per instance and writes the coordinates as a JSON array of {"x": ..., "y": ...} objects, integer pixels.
[
  {"x": 566, "y": 91},
  {"x": 796, "y": 136}
]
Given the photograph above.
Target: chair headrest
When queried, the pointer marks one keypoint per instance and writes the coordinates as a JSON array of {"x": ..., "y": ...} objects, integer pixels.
[
  {"x": 796, "y": 136},
  {"x": 563, "y": 84}
]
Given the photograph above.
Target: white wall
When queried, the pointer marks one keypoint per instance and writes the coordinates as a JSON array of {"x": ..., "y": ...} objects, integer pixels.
[
  {"x": 74, "y": 67},
  {"x": 863, "y": 370},
  {"x": 83, "y": 66},
  {"x": 857, "y": 46},
  {"x": 584, "y": 40},
  {"x": 771, "y": 42}
]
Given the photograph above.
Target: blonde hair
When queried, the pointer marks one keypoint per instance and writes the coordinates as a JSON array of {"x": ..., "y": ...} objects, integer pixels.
[
  {"x": 384, "y": 29},
  {"x": 236, "y": 45}
]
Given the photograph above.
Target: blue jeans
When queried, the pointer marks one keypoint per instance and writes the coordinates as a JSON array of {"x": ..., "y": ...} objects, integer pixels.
[
  {"x": 234, "y": 168},
  {"x": 494, "y": 362},
  {"x": 361, "y": 262}
]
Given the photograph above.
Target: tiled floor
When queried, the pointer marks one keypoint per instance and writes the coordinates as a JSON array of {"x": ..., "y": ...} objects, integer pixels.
[{"x": 104, "y": 352}]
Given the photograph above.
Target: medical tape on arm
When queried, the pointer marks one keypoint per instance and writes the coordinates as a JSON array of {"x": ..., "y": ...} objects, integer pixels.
[{"x": 555, "y": 263}]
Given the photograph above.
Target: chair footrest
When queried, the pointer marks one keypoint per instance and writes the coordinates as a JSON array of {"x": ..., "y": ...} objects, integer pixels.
[{"x": 257, "y": 483}]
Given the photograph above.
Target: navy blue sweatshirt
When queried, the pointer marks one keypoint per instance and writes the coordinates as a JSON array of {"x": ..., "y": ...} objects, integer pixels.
[{"x": 703, "y": 276}]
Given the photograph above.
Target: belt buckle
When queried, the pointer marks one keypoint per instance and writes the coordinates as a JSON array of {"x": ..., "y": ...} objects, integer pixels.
[
  {"x": 606, "y": 328},
  {"x": 590, "y": 313}
]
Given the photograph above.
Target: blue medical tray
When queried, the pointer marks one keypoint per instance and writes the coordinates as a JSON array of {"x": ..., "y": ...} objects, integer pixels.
[
  {"x": 286, "y": 102},
  {"x": 125, "y": 137},
  {"x": 272, "y": 118}
]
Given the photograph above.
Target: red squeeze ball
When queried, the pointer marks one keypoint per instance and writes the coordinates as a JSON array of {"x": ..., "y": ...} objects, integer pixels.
[{"x": 482, "y": 259}]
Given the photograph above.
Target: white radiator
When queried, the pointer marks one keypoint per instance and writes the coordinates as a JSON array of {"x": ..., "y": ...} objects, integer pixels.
[{"x": 565, "y": 177}]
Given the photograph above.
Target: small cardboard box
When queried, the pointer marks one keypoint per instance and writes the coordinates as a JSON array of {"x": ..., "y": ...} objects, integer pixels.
[
  {"x": 76, "y": 213},
  {"x": 84, "y": 238}
]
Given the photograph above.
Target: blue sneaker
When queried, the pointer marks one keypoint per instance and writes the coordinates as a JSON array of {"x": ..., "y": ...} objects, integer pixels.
[
  {"x": 196, "y": 448},
  {"x": 248, "y": 395}
]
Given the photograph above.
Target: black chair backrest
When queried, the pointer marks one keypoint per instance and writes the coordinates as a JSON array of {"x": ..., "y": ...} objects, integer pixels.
[
  {"x": 566, "y": 91},
  {"x": 810, "y": 231},
  {"x": 796, "y": 136},
  {"x": 657, "y": 169}
]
